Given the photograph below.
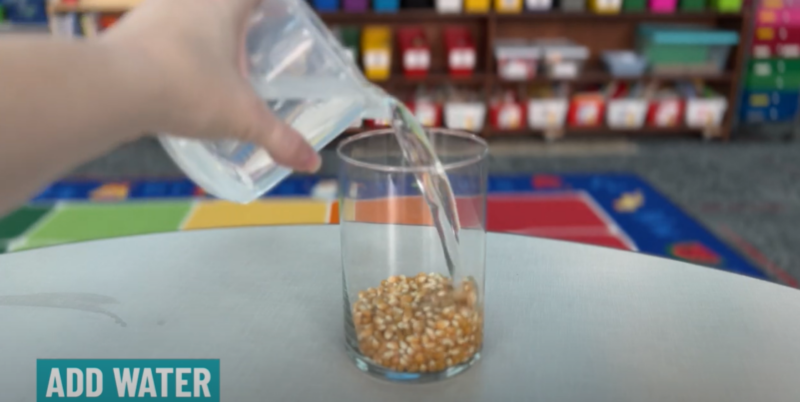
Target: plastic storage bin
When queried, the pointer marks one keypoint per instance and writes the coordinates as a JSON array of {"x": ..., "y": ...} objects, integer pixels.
[
  {"x": 665, "y": 110},
  {"x": 692, "y": 5},
  {"x": 787, "y": 17},
  {"x": 605, "y": 6},
  {"x": 704, "y": 108},
  {"x": 508, "y": 6},
  {"x": 538, "y": 5},
  {"x": 376, "y": 52},
  {"x": 386, "y": 6},
  {"x": 624, "y": 63},
  {"x": 507, "y": 113},
  {"x": 355, "y": 5},
  {"x": 449, "y": 6},
  {"x": 349, "y": 37},
  {"x": 477, "y": 6},
  {"x": 685, "y": 48},
  {"x": 727, "y": 6},
  {"x": 325, "y": 5},
  {"x": 586, "y": 110},
  {"x": 460, "y": 49},
  {"x": 572, "y": 5},
  {"x": 469, "y": 116},
  {"x": 562, "y": 57},
  {"x": 626, "y": 107},
  {"x": 663, "y": 6},
  {"x": 517, "y": 60},
  {"x": 634, "y": 6},
  {"x": 769, "y": 106},
  {"x": 772, "y": 41},
  {"x": 415, "y": 52}
]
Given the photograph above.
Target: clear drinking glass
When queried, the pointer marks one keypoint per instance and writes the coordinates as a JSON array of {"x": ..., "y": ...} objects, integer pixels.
[{"x": 406, "y": 317}]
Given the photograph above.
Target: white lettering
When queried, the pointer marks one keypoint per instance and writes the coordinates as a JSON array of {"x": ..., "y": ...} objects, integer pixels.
[
  {"x": 165, "y": 372},
  {"x": 147, "y": 385},
  {"x": 180, "y": 382},
  {"x": 201, "y": 379},
  {"x": 54, "y": 384},
  {"x": 94, "y": 379},
  {"x": 74, "y": 382},
  {"x": 125, "y": 382}
]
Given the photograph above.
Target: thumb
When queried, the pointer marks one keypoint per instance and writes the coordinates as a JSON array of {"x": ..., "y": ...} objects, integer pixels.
[{"x": 257, "y": 124}]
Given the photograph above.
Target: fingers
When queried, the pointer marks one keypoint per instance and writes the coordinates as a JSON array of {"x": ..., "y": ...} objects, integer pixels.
[
  {"x": 242, "y": 9},
  {"x": 284, "y": 144}
]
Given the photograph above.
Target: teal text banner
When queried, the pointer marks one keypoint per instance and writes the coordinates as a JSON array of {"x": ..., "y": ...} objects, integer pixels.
[{"x": 101, "y": 380}]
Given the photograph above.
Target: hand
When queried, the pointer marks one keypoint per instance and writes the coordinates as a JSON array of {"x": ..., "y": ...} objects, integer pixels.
[{"x": 192, "y": 53}]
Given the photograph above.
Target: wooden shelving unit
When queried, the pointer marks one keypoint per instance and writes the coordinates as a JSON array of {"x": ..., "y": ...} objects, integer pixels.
[{"x": 597, "y": 32}]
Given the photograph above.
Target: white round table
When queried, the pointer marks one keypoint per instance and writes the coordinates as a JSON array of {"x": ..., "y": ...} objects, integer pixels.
[{"x": 564, "y": 322}]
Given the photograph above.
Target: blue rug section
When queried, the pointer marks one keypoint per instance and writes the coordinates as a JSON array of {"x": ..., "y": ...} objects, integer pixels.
[{"x": 653, "y": 223}]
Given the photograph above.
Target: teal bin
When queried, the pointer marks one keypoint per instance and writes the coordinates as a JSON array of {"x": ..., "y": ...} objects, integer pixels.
[{"x": 685, "y": 48}]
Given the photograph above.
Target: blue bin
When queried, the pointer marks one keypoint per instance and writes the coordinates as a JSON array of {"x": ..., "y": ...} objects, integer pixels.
[
  {"x": 325, "y": 5},
  {"x": 769, "y": 106},
  {"x": 386, "y": 6},
  {"x": 624, "y": 63}
]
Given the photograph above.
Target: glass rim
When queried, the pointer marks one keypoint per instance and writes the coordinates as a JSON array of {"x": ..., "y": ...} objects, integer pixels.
[{"x": 481, "y": 155}]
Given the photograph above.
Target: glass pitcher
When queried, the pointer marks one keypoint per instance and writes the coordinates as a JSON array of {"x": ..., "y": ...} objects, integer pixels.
[{"x": 306, "y": 78}]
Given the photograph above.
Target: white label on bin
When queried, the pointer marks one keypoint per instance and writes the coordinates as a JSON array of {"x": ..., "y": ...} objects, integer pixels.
[
  {"x": 376, "y": 59},
  {"x": 762, "y": 69},
  {"x": 565, "y": 70},
  {"x": 515, "y": 70},
  {"x": 701, "y": 113},
  {"x": 626, "y": 113},
  {"x": 588, "y": 113},
  {"x": 761, "y": 51},
  {"x": 510, "y": 116},
  {"x": 791, "y": 51},
  {"x": 417, "y": 59},
  {"x": 425, "y": 113},
  {"x": 547, "y": 113},
  {"x": 462, "y": 59},
  {"x": 667, "y": 114}
]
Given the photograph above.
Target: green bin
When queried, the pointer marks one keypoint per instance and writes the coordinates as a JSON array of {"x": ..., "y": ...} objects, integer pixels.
[
  {"x": 692, "y": 6},
  {"x": 727, "y": 6},
  {"x": 685, "y": 48},
  {"x": 634, "y": 6}
]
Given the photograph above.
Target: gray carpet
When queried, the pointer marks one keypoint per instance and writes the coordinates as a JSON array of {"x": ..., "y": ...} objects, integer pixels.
[{"x": 747, "y": 192}]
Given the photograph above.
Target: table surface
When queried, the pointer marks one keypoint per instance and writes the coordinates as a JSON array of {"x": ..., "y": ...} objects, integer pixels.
[{"x": 564, "y": 322}]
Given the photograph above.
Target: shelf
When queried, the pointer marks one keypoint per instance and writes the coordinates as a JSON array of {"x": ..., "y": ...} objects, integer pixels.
[
  {"x": 563, "y": 15},
  {"x": 399, "y": 79},
  {"x": 342, "y": 17},
  {"x": 601, "y": 131},
  {"x": 591, "y": 77}
]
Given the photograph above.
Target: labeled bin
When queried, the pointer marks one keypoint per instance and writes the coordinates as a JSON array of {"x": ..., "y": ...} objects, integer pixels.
[
  {"x": 449, "y": 6},
  {"x": 787, "y": 17},
  {"x": 769, "y": 106},
  {"x": 665, "y": 109},
  {"x": 538, "y": 5},
  {"x": 508, "y": 6},
  {"x": 477, "y": 6},
  {"x": 626, "y": 107},
  {"x": 562, "y": 57},
  {"x": 469, "y": 116},
  {"x": 517, "y": 60},
  {"x": 690, "y": 6},
  {"x": 325, "y": 5},
  {"x": 663, "y": 6},
  {"x": 705, "y": 108},
  {"x": 572, "y": 5},
  {"x": 634, "y": 6},
  {"x": 624, "y": 63},
  {"x": 685, "y": 48},
  {"x": 415, "y": 52},
  {"x": 376, "y": 52},
  {"x": 355, "y": 5},
  {"x": 605, "y": 6},
  {"x": 726, "y": 6},
  {"x": 460, "y": 48},
  {"x": 506, "y": 112},
  {"x": 428, "y": 112},
  {"x": 386, "y": 6},
  {"x": 586, "y": 110},
  {"x": 774, "y": 41},
  {"x": 349, "y": 38},
  {"x": 547, "y": 107}
]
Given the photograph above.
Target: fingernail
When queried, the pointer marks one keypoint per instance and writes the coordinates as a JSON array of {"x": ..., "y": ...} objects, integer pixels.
[{"x": 314, "y": 164}]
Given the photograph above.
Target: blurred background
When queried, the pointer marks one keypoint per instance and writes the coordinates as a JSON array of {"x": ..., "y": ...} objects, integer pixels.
[{"x": 657, "y": 126}]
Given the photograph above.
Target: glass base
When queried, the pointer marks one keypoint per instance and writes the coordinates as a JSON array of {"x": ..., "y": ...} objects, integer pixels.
[{"x": 366, "y": 365}]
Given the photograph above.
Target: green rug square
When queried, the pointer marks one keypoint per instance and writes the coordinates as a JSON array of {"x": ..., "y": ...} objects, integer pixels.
[
  {"x": 81, "y": 222},
  {"x": 18, "y": 222}
]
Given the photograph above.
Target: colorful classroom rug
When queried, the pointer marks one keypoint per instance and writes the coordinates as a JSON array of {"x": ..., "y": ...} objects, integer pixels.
[{"x": 610, "y": 210}]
